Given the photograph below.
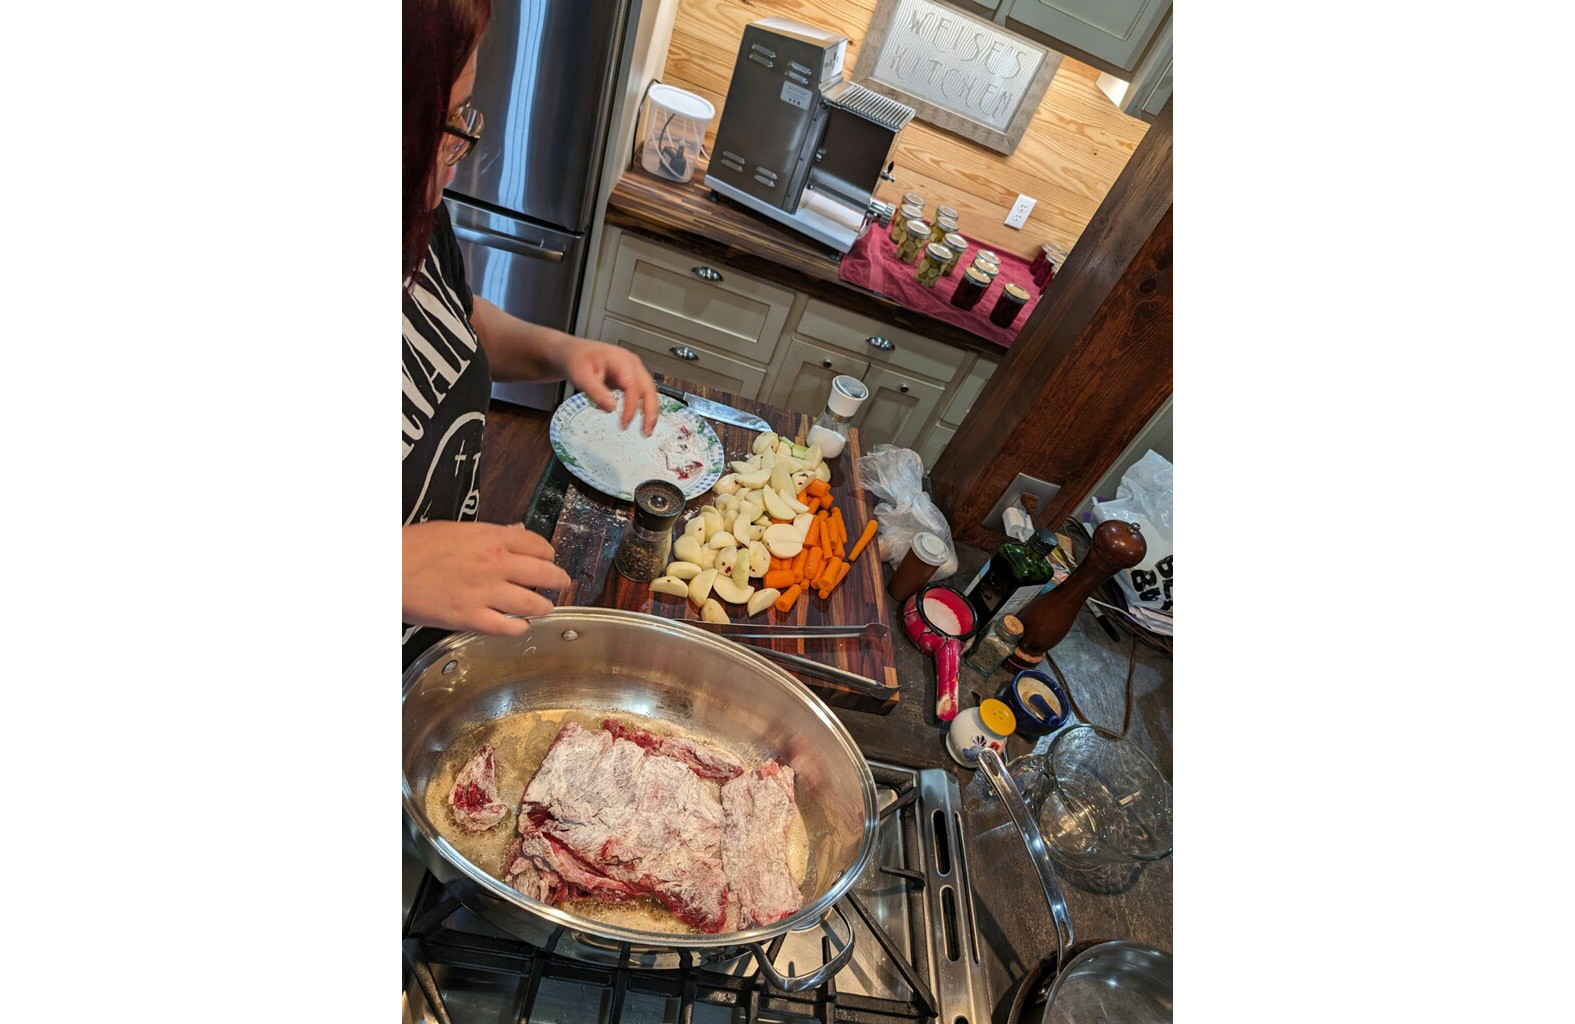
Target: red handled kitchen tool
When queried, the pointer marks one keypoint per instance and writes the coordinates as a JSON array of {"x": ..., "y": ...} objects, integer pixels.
[{"x": 939, "y": 621}]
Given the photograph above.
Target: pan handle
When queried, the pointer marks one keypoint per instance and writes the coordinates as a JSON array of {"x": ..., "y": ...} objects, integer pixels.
[
  {"x": 814, "y": 979},
  {"x": 991, "y": 765}
]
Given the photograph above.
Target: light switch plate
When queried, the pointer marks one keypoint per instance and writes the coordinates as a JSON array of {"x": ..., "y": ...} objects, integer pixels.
[
  {"x": 1024, "y": 484},
  {"x": 1018, "y": 215}
]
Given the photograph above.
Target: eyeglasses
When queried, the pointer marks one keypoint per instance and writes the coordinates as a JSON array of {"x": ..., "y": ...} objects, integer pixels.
[{"x": 465, "y": 126}]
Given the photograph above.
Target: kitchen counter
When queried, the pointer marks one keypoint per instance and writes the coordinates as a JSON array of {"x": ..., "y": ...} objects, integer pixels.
[
  {"x": 522, "y": 481},
  {"x": 687, "y": 217}
]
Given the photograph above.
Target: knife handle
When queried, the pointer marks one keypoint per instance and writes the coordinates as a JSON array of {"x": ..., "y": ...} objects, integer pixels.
[{"x": 670, "y": 392}]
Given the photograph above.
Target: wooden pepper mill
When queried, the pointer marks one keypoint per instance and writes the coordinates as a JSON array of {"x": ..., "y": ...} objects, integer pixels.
[{"x": 1048, "y": 617}]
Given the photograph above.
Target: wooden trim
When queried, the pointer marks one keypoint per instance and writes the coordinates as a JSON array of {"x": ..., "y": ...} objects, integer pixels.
[
  {"x": 1091, "y": 365},
  {"x": 945, "y": 118}
]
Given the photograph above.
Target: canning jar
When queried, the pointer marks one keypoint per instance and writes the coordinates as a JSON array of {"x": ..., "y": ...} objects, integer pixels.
[
  {"x": 1008, "y": 305},
  {"x": 956, "y": 243},
  {"x": 916, "y": 235},
  {"x": 970, "y": 289},
  {"x": 932, "y": 263}
]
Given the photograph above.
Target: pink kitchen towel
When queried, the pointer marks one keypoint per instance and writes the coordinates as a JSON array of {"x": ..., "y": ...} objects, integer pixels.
[{"x": 872, "y": 263}]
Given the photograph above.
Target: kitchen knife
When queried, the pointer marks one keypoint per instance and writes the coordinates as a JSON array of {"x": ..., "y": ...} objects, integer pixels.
[{"x": 715, "y": 410}]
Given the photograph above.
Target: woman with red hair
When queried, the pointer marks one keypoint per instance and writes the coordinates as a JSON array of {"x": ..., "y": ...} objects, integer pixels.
[{"x": 459, "y": 573}]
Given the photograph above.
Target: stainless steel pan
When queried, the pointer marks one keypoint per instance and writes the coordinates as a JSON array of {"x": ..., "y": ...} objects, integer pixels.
[{"x": 607, "y": 660}]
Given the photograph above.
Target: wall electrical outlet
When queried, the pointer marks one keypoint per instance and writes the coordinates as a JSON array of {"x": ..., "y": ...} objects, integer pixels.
[{"x": 1018, "y": 215}]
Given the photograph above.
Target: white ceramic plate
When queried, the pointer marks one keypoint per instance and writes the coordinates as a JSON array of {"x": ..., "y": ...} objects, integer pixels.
[{"x": 683, "y": 448}]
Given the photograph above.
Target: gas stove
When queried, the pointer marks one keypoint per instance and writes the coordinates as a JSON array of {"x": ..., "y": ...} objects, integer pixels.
[{"x": 925, "y": 947}]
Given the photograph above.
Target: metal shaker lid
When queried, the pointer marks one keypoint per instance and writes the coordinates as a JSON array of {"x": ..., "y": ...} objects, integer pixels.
[{"x": 657, "y": 504}]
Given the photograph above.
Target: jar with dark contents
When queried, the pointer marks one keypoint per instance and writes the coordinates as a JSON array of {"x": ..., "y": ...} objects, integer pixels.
[
  {"x": 956, "y": 243},
  {"x": 988, "y": 262},
  {"x": 647, "y": 545},
  {"x": 927, "y": 554},
  {"x": 1047, "y": 263},
  {"x": 970, "y": 289},
  {"x": 915, "y": 237},
  {"x": 932, "y": 263},
  {"x": 1008, "y": 305}
]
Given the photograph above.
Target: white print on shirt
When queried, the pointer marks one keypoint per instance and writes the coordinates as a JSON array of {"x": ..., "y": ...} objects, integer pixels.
[
  {"x": 460, "y": 456},
  {"x": 440, "y": 361}
]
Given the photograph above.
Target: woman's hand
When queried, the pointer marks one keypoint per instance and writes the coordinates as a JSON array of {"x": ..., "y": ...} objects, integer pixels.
[
  {"x": 474, "y": 575},
  {"x": 596, "y": 367}
]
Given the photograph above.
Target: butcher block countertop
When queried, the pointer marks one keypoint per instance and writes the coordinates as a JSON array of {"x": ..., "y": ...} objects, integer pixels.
[{"x": 686, "y": 217}]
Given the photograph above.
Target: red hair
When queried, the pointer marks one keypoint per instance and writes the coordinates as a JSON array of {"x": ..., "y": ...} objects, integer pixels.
[{"x": 440, "y": 36}]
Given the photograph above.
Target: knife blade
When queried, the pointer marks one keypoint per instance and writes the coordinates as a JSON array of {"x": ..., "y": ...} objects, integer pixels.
[{"x": 715, "y": 410}]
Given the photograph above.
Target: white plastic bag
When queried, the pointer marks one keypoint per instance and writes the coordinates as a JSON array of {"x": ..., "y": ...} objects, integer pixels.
[
  {"x": 896, "y": 475},
  {"x": 1145, "y": 497}
]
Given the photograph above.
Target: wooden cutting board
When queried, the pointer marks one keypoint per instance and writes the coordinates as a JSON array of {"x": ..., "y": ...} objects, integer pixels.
[{"x": 591, "y": 525}]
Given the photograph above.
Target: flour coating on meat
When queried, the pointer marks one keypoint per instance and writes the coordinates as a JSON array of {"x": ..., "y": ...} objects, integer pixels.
[
  {"x": 759, "y": 809},
  {"x": 474, "y": 798},
  {"x": 617, "y": 812}
]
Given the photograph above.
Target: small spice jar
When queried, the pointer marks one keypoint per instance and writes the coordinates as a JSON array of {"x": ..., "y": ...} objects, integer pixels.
[
  {"x": 942, "y": 227},
  {"x": 1008, "y": 305},
  {"x": 646, "y": 546},
  {"x": 956, "y": 243},
  {"x": 993, "y": 646},
  {"x": 830, "y": 429},
  {"x": 916, "y": 235},
  {"x": 935, "y": 258},
  {"x": 900, "y": 219},
  {"x": 970, "y": 289},
  {"x": 925, "y": 555}
]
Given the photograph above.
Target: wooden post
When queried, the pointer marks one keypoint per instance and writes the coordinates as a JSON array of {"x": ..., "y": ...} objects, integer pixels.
[{"x": 1091, "y": 366}]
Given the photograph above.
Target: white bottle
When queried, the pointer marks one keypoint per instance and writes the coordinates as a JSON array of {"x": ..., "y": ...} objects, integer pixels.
[{"x": 830, "y": 429}]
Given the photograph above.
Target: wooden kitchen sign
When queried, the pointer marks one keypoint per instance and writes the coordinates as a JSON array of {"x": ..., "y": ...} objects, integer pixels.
[{"x": 958, "y": 72}]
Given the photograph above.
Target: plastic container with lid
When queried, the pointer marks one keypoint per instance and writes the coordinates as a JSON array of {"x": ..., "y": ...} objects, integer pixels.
[
  {"x": 830, "y": 429},
  {"x": 926, "y": 554},
  {"x": 675, "y": 124}
]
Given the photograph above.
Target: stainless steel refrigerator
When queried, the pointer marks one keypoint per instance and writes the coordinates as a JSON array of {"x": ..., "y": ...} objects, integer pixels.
[{"x": 523, "y": 202}]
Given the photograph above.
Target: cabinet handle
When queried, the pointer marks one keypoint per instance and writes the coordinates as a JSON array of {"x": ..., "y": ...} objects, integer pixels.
[
  {"x": 685, "y": 352},
  {"x": 826, "y": 363},
  {"x": 904, "y": 389},
  {"x": 706, "y": 274},
  {"x": 884, "y": 344}
]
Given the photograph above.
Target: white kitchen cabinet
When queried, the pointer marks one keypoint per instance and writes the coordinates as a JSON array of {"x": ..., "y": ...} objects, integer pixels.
[
  {"x": 695, "y": 300},
  {"x": 880, "y": 343},
  {"x": 934, "y": 443},
  {"x": 684, "y": 358},
  {"x": 1150, "y": 86},
  {"x": 1114, "y": 32},
  {"x": 898, "y": 409},
  {"x": 803, "y": 378}
]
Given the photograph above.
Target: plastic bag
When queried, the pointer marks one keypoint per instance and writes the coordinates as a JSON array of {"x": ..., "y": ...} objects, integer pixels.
[
  {"x": 1145, "y": 497},
  {"x": 896, "y": 475}
]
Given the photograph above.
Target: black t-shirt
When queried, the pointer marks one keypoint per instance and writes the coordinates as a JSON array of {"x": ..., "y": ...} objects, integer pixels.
[{"x": 446, "y": 387}]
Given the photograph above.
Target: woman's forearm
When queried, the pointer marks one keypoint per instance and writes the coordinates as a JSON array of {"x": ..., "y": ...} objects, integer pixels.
[{"x": 517, "y": 349}]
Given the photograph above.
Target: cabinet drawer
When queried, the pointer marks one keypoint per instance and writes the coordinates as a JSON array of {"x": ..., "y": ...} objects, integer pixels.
[
  {"x": 909, "y": 353},
  {"x": 804, "y": 379},
  {"x": 898, "y": 410},
  {"x": 968, "y": 391},
  {"x": 667, "y": 288},
  {"x": 682, "y": 358}
]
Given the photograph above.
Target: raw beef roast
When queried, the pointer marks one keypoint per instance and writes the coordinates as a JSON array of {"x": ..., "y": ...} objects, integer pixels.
[
  {"x": 617, "y": 812},
  {"x": 759, "y": 810},
  {"x": 475, "y": 797}
]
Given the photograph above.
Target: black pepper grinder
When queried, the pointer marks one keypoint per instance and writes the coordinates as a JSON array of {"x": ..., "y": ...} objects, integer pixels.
[
  {"x": 1049, "y": 617},
  {"x": 648, "y": 543}
]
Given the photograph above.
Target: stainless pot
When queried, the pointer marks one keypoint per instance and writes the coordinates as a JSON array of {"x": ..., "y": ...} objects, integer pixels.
[{"x": 600, "y": 659}]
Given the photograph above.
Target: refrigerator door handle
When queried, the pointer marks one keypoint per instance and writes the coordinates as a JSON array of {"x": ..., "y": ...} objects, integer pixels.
[{"x": 497, "y": 240}]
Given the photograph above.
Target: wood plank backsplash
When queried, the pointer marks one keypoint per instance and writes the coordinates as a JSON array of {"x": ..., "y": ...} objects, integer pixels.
[{"x": 1071, "y": 153}]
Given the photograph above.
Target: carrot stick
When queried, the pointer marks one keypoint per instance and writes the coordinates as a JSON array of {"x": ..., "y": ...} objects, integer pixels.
[
  {"x": 784, "y": 604},
  {"x": 812, "y": 504},
  {"x": 803, "y": 496},
  {"x": 778, "y": 563},
  {"x": 842, "y": 528},
  {"x": 816, "y": 563},
  {"x": 864, "y": 539},
  {"x": 841, "y": 575},
  {"x": 814, "y": 532},
  {"x": 798, "y": 563},
  {"x": 829, "y": 573},
  {"x": 819, "y": 488},
  {"x": 780, "y": 578}
]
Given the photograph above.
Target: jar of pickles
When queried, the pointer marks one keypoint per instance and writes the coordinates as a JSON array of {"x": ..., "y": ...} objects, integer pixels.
[
  {"x": 970, "y": 289},
  {"x": 949, "y": 212},
  {"x": 933, "y": 262},
  {"x": 1008, "y": 305},
  {"x": 915, "y": 236},
  {"x": 956, "y": 243},
  {"x": 913, "y": 199},
  {"x": 900, "y": 219},
  {"x": 942, "y": 227}
]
